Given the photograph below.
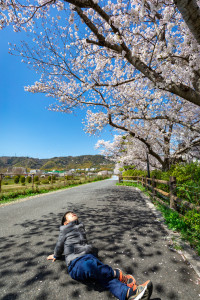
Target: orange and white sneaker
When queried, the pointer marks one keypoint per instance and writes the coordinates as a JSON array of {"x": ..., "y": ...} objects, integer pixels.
[
  {"x": 128, "y": 279},
  {"x": 142, "y": 291}
]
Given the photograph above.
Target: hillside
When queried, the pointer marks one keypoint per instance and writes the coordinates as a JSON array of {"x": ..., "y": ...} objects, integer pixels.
[{"x": 58, "y": 163}]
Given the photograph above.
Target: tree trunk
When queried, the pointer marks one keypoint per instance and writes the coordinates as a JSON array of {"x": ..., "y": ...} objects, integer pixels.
[
  {"x": 191, "y": 14},
  {"x": 166, "y": 165}
]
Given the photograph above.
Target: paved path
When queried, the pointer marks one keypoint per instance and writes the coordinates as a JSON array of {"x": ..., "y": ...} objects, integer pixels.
[{"x": 119, "y": 223}]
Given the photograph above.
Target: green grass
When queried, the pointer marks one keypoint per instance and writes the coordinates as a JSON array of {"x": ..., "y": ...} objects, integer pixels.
[
  {"x": 188, "y": 226},
  {"x": 182, "y": 225},
  {"x": 134, "y": 184}
]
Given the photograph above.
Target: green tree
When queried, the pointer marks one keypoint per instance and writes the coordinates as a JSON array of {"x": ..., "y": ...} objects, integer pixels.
[
  {"x": 36, "y": 178},
  {"x": 16, "y": 179},
  {"x": 22, "y": 179},
  {"x": 29, "y": 179}
]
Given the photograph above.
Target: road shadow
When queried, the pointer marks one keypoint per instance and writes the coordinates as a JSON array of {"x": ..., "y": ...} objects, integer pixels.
[{"x": 118, "y": 223}]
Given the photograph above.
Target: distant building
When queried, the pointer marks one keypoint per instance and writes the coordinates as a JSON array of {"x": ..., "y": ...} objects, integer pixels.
[
  {"x": 91, "y": 174},
  {"x": 70, "y": 172},
  {"x": 17, "y": 170},
  {"x": 102, "y": 173},
  {"x": 36, "y": 172}
]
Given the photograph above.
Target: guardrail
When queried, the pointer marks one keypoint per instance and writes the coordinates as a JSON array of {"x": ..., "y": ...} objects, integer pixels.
[{"x": 151, "y": 184}]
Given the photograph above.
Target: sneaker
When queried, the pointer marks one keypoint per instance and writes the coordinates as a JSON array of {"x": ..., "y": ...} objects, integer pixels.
[
  {"x": 142, "y": 291},
  {"x": 128, "y": 279}
]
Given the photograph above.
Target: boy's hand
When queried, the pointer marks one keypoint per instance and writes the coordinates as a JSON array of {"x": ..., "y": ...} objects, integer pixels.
[{"x": 51, "y": 257}]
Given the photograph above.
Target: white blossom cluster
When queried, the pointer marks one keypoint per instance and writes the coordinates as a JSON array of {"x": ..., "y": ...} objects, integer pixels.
[{"x": 127, "y": 150}]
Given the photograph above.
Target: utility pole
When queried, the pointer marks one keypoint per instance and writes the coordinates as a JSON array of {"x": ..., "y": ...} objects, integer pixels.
[{"x": 148, "y": 169}]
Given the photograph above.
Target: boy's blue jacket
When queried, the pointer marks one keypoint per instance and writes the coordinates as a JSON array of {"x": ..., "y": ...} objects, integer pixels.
[{"x": 72, "y": 242}]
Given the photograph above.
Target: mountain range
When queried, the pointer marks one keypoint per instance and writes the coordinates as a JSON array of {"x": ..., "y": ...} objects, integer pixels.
[{"x": 56, "y": 163}]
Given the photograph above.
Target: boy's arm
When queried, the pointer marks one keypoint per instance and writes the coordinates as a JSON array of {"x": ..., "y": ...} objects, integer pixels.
[
  {"x": 59, "y": 248},
  {"x": 58, "y": 251}
]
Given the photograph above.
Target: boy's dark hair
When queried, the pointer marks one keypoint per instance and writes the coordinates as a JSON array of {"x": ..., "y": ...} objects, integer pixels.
[{"x": 64, "y": 217}]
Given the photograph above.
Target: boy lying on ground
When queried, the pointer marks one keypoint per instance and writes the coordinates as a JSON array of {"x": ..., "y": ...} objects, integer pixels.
[{"x": 83, "y": 265}]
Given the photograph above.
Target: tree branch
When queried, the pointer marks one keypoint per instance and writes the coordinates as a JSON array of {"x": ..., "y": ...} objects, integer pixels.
[
  {"x": 133, "y": 134},
  {"x": 80, "y": 3}
]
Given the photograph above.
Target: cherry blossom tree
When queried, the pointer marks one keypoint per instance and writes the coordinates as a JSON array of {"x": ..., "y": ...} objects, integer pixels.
[
  {"x": 120, "y": 40},
  {"x": 125, "y": 150},
  {"x": 170, "y": 148},
  {"x": 134, "y": 63}
]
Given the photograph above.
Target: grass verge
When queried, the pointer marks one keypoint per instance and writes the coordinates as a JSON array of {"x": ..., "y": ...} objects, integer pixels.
[{"x": 188, "y": 226}]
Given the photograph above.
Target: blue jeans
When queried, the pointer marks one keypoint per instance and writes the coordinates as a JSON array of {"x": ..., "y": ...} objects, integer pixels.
[{"x": 88, "y": 267}]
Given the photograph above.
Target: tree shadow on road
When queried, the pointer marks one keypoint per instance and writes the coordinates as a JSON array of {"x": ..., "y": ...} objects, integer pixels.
[{"x": 119, "y": 224}]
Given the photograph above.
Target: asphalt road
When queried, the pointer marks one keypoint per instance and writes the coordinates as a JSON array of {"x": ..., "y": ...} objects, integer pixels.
[{"x": 118, "y": 222}]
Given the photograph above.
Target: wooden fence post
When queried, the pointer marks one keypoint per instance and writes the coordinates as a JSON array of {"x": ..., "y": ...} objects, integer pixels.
[
  {"x": 142, "y": 181},
  {"x": 146, "y": 182},
  {"x": 172, "y": 187},
  {"x": 153, "y": 186},
  {"x": 32, "y": 181},
  {"x": 120, "y": 178}
]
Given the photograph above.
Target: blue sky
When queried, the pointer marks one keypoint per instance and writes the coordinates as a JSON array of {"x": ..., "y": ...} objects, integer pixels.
[{"x": 27, "y": 127}]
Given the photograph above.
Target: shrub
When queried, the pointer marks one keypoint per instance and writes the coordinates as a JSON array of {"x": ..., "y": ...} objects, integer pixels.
[
  {"x": 49, "y": 178},
  {"x": 130, "y": 167},
  {"x": 183, "y": 172},
  {"x": 190, "y": 191},
  {"x": 16, "y": 179},
  {"x": 157, "y": 173},
  {"x": 29, "y": 179},
  {"x": 134, "y": 172},
  {"x": 45, "y": 181},
  {"x": 36, "y": 178},
  {"x": 187, "y": 178},
  {"x": 186, "y": 172},
  {"x": 160, "y": 175},
  {"x": 22, "y": 179},
  {"x": 192, "y": 219}
]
